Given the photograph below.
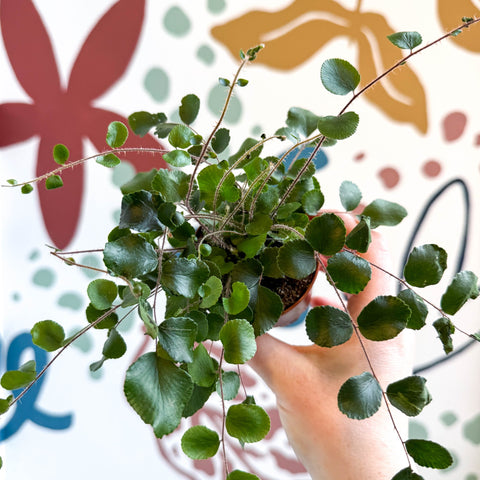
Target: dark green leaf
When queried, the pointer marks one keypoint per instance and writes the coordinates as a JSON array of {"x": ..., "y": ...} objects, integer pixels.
[
  {"x": 177, "y": 336},
  {"x": 163, "y": 129},
  {"x": 296, "y": 259},
  {"x": 425, "y": 265},
  {"x": 338, "y": 127},
  {"x": 238, "y": 340},
  {"x": 383, "y": 212},
  {"x": 108, "y": 160},
  {"x": 169, "y": 216},
  {"x": 268, "y": 259},
  {"x": 242, "y": 82},
  {"x": 180, "y": 136},
  {"x": 383, "y": 318},
  {"x": 146, "y": 314},
  {"x": 224, "y": 82},
  {"x": 238, "y": 300},
  {"x": 221, "y": 140},
  {"x": 328, "y": 326},
  {"x": 339, "y": 76},
  {"x": 301, "y": 120},
  {"x": 141, "y": 181},
  {"x": 349, "y": 272},
  {"x": 142, "y": 122},
  {"x": 200, "y": 319},
  {"x": 259, "y": 225},
  {"x": 109, "y": 320},
  {"x": 130, "y": 256},
  {"x": 251, "y": 245},
  {"x": 360, "y": 237},
  {"x": 184, "y": 276},
  {"x": 210, "y": 291},
  {"x": 5, "y": 404},
  {"x": 48, "y": 335},
  {"x": 27, "y": 188},
  {"x": 409, "y": 395},
  {"x": 102, "y": 293},
  {"x": 405, "y": 40},
  {"x": 139, "y": 212},
  {"x": 60, "y": 154},
  {"x": 158, "y": 391},
  {"x": 350, "y": 195},
  {"x": 177, "y": 158},
  {"x": 230, "y": 384},
  {"x": 312, "y": 202},
  {"x": 360, "y": 396},
  {"x": 55, "y": 181},
  {"x": 208, "y": 180},
  {"x": 407, "y": 474},
  {"x": 248, "y": 423},
  {"x": 428, "y": 454},
  {"x": 463, "y": 287},
  {"x": 117, "y": 134},
  {"x": 326, "y": 233},
  {"x": 199, "y": 442},
  {"x": 267, "y": 311},
  {"x": 115, "y": 345},
  {"x": 172, "y": 184},
  {"x": 287, "y": 209},
  {"x": 13, "y": 379},
  {"x": 199, "y": 397},
  {"x": 239, "y": 475},
  {"x": 189, "y": 108},
  {"x": 418, "y": 308},
  {"x": 445, "y": 329},
  {"x": 203, "y": 368}
]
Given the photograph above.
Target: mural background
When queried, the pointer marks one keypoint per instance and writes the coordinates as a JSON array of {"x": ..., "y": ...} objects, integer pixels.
[{"x": 67, "y": 70}]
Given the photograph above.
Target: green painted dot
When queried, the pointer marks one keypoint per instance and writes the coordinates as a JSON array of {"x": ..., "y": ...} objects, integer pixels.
[
  {"x": 176, "y": 22},
  {"x": 122, "y": 173},
  {"x": 257, "y": 130},
  {"x": 127, "y": 322},
  {"x": 205, "y": 54},
  {"x": 417, "y": 430},
  {"x": 216, "y": 6},
  {"x": 84, "y": 342},
  {"x": 34, "y": 255},
  {"x": 471, "y": 476},
  {"x": 90, "y": 261},
  {"x": 157, "y": 84},
  {"x": 448, "y": 418},
  {"x": 96, "y": 375},
  {"x": 16, "y": 297},
  {"x": 44, "y": 277},
  {"x": 71, "y": 300},
  {"x": 116, "y": 216},
  {"x": 471, "y": 430},
  {"x": 216, "y": 101}
]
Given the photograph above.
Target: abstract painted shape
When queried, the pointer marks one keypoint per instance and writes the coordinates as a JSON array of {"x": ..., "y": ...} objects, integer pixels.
[
  {"x": 471, "y": 430},
  {"x": 454, "y": 125},
  {"x": 431, "y": 168},
  {"x": 176, "y": 22},
  {"x": 389, "y": 176}
]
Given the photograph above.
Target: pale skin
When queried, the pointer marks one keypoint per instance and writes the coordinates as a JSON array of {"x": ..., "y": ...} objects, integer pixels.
[{"x": 306, "y": 381}]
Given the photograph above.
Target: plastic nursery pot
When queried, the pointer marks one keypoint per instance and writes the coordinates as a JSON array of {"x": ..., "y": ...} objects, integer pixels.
[{"x": 292, "y": 313}]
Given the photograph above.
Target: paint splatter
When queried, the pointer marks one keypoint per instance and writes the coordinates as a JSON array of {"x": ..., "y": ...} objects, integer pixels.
[
  {"x": 359, "y": 156},
  {"x": 448, "y": 418},
  {"x": 70, "y": 300},
  {"x": 454, "y": 125},
  {"x": 216, "y": 6},
  {"x": 417, "y": 430},
  {"x": 157, "y": 84},
  {"x": 122, "y": 173},
  {"x": 84, "y": 343},
  {"x": 471, "y": 430},
  {"x": 44, "y": 277},
  {"x": 176, "y": 22},
  {"x": 205, "y": 54},
  {"x": 216, "y": 101},
  {"x": 389, "y": 176},
  {"x": 431, "y": 168},
  {"x": 471, "y": 476}
]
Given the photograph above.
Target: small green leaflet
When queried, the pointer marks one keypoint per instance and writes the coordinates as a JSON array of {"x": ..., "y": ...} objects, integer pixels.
[
  {"x": 339, "y": 76},
  {"x": 199, "y": 442},
  {"x": 428, "y": 454},
  {"x": 338, "y": 127},
  {"x": 60, "y": 154},
  {"x": 405, "y": 40},
  {"x": 117, "y": 134},
  {"x": 360, "y": 396}
]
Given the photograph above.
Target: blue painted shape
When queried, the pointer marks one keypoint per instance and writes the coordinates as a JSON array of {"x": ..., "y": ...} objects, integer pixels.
[
  {"x": 26, "y": 409},
  {"x": 320, "y": 160}
]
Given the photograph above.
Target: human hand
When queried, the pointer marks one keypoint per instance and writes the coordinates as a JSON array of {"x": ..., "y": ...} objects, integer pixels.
[{"x": 306, "y": 381}]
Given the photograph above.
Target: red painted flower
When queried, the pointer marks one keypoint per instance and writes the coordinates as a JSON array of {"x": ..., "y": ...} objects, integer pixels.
[{"x": 66, "y": 115}]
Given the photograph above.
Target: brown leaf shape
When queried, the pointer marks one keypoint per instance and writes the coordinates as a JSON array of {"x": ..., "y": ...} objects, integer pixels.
[
  {"x": 291, "y": 35},
  {"x": 450, "y": 13},
  {"x": 401, "y": 95}
]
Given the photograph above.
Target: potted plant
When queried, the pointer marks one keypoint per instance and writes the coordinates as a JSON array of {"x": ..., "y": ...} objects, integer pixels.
[{"x": 230, "y": 246}]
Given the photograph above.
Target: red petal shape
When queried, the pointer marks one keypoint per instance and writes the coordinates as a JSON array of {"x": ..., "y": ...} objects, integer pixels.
[
  {"x": 98, "y": 121},
  {"x": 107, "y": 51},
  {"x": 61, "y": 207},
  {"x": 18, "y": 122},
  {"x": 29, "y": 49}
]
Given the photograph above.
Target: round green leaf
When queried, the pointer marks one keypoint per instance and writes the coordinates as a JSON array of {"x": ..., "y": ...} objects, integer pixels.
[
  {"x": 268, "y": 309},
  {"x": 184, "y": 276},
  {"x": 409, "y": 395},
  {"x": 102, "y": 293},
  {"x": 109, "y": 160},
  {"x": 249, "y": 423},
  {"x": 180, "y": 136},
  {"x": 60, "y": 154},
  {"x": 268, "y": 259},
  {"x": 326, "y": 233},
  {"x": 350, "y": 195},
  {"x": 252, "y": 245},
  {"x": 418, "y": 308},
  {"x": 302, "y": 121},
  {"x": 203, "y": 368},
  {"x": 142, "y": 122},
  {"x": 177, "y": 336},
  {"x": 383, "y": 318},
  {"x": 328, "y": 326},
  {"x": 189, "y": 108},
  {"x": 339, "y": 76},
  {"x": 221, "y": 140},
  {"x": 230, "y": 385},
  {"x": 407, "y": 474},
  {"x": 405, "y": 40},
  {"x": 259, "y": 225},
  {"x": 428, "y": 454},
  {"x": 238, "y": 340},
  {"x": 312, "y": 202},
  {"x": 239, "y": 475},
  {"x": 210, "y": 291},
  {"x": 5, "y": 404},
  {"x": 463, "y": 287},
  {"x": 13, "y": 379},
  {"x": 200, "y": 442},
  {"x": 383, "y": 212},
  {"x": 425, "y": 265},
  {"x": 445, "y": 329},
  {"x": 54, "y": 181},
  {"x": 238, "y": 300},
  {"x": 349, "y": 272},
  {"x": 177, "y": 158},
  {"x": 48, "y": 335},
  {"x": 139, "y": 212},
  {"x": 27, "y": 188},
  {"x": 93, "y": 315},
  {"x": 158, "y": 391},
  {"x": 360, "y": 237},
  {"x": 117, "y": 134},
  {"x": 360, "y": 396},
  {"x": 114, "y": 346},
  {"x": 338, "y": 127},
  {"x": 296, "y": 259}
]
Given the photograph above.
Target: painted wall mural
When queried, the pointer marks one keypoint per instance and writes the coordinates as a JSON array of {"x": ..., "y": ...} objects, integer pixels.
[{"x": 67, "y": 70}]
